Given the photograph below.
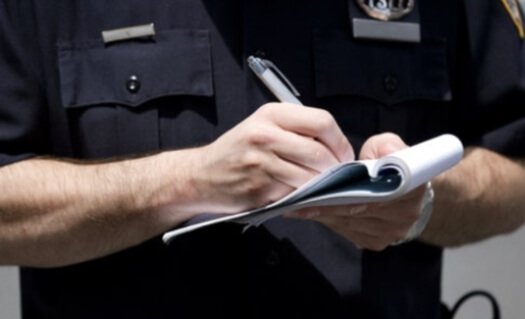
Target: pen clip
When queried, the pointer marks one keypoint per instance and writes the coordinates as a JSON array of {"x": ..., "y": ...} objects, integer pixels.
[{"x": 272, "y": 66}]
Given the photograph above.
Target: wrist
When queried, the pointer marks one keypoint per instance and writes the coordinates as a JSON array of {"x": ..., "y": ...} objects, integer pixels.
[
  {"x": 425, "y": 213},
  {"x": 175, "y": 180}
]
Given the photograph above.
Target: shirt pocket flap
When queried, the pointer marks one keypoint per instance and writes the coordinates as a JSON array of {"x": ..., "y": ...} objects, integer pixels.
[
  {"x": 389, "y": 73},
  {"x": 176, "y": 62}
]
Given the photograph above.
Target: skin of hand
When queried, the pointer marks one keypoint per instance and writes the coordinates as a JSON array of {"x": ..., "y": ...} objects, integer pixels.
[
  {"x": 56, "y": 212},
  {"x": 277, "y": 149},
  {"x": 372, "y": 226}
]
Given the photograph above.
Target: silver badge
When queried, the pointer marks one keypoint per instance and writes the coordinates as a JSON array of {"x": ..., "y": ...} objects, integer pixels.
[{"x": 387, "y": 10}]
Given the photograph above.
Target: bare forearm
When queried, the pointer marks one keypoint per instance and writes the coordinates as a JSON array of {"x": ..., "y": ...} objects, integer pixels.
[
  {"x": 481, "y": 197},
  {"x": 58, "y": 213},
  {"x": 55, "y": 213}
]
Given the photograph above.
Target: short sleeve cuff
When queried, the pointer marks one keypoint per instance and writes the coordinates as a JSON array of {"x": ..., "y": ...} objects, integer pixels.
[{"x": 6, "y": 159}]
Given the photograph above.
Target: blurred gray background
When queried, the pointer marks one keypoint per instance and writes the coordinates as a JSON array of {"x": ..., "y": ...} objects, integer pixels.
[
  {"x": 9, "y": 298},
  {"x": 496, "y": 265}
]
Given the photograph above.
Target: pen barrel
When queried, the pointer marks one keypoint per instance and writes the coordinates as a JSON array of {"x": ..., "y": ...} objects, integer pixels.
[{"x": 278, "y": 88}]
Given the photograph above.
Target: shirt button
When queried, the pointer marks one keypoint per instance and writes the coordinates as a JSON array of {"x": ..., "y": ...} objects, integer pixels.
[
  {"x": 273, "y": 259},
  {"x": 260, "y": 53},
  {"x": 390, "y": 84},
  {"x": 133, "y": 84}
]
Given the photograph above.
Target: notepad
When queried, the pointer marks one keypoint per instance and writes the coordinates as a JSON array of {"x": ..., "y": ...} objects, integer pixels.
[{"x": 356, "y": 182}]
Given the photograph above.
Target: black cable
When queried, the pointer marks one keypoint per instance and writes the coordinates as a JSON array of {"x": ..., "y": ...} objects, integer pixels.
[{"x": 476, "y": 293}]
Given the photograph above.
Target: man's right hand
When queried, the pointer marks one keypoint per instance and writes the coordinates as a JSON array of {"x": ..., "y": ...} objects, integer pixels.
[{"x": 265, "y": 157}]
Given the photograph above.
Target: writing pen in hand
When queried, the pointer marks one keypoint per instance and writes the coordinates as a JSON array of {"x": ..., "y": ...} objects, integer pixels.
[{"x": 266, "y": 71}]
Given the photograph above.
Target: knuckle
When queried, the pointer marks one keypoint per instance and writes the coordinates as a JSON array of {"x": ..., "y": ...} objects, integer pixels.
[
  {"x": 258, "y": 135},
  {"x": 267, "y": 109},
  {"x": 254, "y": 190},
  {"x": 251, "y": 160},
  {"x": 324, "y": 120}
]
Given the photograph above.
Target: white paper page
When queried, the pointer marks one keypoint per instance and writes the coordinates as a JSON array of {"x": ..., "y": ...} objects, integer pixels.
[{"x": 426, "y": 160}]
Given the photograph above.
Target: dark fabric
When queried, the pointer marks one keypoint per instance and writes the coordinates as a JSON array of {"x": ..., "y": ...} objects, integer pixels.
[
  {"x": 21, "y": 99},
  {"x": 63, "y": 92},
  {"x": 498, "y": 78},
  {"x": 89, "y": 72}
]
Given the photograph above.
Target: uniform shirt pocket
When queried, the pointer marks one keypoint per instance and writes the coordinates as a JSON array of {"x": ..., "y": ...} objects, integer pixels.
[
  {"x": 112, "y": 93},
  {"x": 388, "y": 73},
  {"x": 176, "y": 62}
]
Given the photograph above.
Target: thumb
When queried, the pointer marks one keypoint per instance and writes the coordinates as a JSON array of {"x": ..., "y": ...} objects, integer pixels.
[{"x": 380, "y": 145}]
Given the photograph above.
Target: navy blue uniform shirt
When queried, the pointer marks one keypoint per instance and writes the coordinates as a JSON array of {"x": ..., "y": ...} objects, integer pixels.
[{"x": 63, "y": 92}]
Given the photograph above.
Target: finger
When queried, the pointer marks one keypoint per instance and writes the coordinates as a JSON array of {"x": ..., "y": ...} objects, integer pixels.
[
  {"x": 396, "y": 214},
  {"x": 380, "y": 145},
  {"x": 277, "y": 191},
  {"x": 304, "y": 151},
  {"x": 413, "y": 198},
  {"x": 388, "y": 226},
  {"x": 289, "y": 173},
  {"x": 361, "y": 239},
  {"x": 389, "y": 230},
  {"x": 315, "y": 123},
  {"x": 351, "y": 211},
  {"x": 406, "y": 208},
  {"x": 304, "y": 213},
  {"x": 366, "y": 241},
  {"x": 337, "y": 211}
]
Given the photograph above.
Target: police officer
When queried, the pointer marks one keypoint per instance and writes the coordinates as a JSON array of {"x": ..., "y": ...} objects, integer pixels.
[{"x": 89, "y": 89}]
